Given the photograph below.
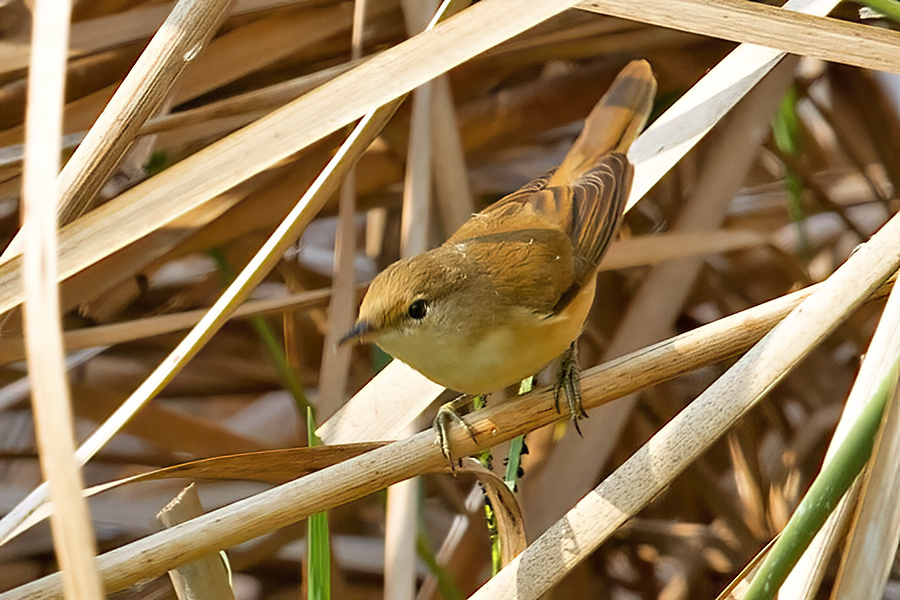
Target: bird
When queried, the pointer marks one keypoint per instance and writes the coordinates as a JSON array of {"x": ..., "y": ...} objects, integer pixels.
[{"x": 510, "y": 291}]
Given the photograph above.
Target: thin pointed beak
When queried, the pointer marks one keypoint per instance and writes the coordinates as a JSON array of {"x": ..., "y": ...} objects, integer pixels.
[{"x": 358, "y": 333}]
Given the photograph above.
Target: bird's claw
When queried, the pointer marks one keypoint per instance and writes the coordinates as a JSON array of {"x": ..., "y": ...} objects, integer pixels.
[
  {"x": 569, "y": 382},
  {"x": 446, "y": 416}
]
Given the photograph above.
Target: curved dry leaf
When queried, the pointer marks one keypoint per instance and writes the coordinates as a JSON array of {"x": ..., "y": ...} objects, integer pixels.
[
  {"x": 266, "y": 466},
  {"x": 507, "y": 510}
]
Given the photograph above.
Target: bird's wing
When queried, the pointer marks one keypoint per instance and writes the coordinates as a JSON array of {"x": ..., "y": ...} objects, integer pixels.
[
  {"x": 597, "y": 199},
  {"x": 585, "y": 197}
]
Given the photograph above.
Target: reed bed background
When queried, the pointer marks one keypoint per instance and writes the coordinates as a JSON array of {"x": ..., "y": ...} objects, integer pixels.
[{"x": 210, "y": 157}]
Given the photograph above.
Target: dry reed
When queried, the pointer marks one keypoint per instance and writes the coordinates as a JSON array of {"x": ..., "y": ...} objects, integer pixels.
[{"x": 729, "y": 229}]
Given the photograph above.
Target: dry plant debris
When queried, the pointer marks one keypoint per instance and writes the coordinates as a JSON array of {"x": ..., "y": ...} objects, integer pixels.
[{"x": 773, "y": 200}]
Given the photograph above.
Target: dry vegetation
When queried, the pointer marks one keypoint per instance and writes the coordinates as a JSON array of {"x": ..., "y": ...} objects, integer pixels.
[{"x": 743, "y": 218}]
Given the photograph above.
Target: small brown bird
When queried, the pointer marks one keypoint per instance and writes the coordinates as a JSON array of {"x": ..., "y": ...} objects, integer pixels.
[{"x": 511, "y": 289}]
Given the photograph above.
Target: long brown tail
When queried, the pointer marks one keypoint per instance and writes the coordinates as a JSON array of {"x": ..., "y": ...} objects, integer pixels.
[{"x": 614, "y": 122}]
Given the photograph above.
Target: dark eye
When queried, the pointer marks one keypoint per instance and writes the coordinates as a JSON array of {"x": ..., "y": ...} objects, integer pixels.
[{"x": 418, "y": 309}]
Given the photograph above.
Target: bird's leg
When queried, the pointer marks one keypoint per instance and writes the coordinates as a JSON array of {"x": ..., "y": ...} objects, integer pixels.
[
  {"x": 569, "y": 382},
  {"x": 447, "y": 415}
]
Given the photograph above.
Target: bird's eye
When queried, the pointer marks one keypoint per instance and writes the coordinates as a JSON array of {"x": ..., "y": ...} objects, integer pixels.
[{"x": 418, "y": 309}]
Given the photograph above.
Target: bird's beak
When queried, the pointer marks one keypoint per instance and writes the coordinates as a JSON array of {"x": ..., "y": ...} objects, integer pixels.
[{"x": 359, "y": 332}]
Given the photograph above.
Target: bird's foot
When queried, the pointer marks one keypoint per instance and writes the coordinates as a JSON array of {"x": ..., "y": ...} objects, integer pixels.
[
  {"x": 446, "y": 416},
  {"x": 569, "y": 383}
]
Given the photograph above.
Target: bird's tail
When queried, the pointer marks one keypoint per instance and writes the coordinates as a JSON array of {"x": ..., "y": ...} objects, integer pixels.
[{"x": 614, "y": 123}]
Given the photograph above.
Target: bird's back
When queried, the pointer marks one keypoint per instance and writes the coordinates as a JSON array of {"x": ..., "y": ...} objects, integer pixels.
[{"x": 585, "y": 197}]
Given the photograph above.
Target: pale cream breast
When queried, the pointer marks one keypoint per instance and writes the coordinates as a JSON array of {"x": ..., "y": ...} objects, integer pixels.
[{"x": 519, "y": 347}]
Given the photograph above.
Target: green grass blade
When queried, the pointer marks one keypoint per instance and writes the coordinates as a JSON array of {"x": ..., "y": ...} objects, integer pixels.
[
  {"x": 318, "y": 542},
  {"x": 517, "y": 447},
  {"x": 445, "y": 584},
  {"x": 270, "y": 342},
  {"x": 786, "y": 133},
  {"x": 823, "y": 495},
  {"x": 888, "y": 8}
]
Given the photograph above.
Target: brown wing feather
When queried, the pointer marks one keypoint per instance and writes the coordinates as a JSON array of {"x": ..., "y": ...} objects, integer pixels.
[
  {"x": 523, "y": 209},
  {"x": 584, "y": 198},
  {"x": 598, "y": 203},
  {"x": 588, "y": 211}
]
